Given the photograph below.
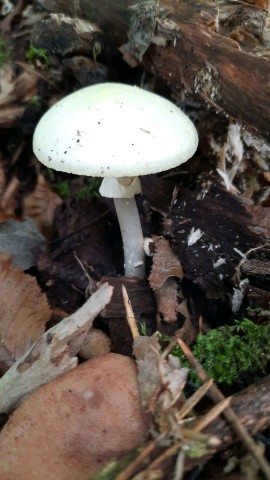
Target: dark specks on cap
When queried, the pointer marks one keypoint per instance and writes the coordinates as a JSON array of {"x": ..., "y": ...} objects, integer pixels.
[
  {"x": 49, "y": 158},
  {"x": 144, "y": 130}
]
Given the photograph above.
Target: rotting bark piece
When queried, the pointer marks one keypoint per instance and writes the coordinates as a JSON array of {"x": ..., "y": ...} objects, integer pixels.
[
  {"x": 79, "y": 229},
  {"x": 140, "y": 295},
  {"x": 251, "y": 405},
  {"x": 191, "y": 45},
  {"x": 209, "y": 231},
  {"x": 64, "y": 35}
]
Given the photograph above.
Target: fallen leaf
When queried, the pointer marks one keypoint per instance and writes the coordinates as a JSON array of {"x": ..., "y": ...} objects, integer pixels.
[
  {"x": 187, "y": 332},
  {"x": 24, "y": 311},
  {"x": 7, "y": 78},
  {"x": 23, "y": 88},
  {"x": 260, "y": 218},
  {"x": 166, "y": 289},
  {"x": 167, "y": 301},
  {"x": 165, "y": 264},
  {"x": 3, "y": 179},
  {"x": 4, "y": 216},
  {"x": 161, "y": 382},
  {"x": 9, "y": 196},
  {"x": 40, "y": 205}
]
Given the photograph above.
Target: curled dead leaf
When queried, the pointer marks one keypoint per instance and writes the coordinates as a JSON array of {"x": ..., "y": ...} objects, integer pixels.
[
  {"x": 165, "y": 264},
  {"x": 166, "y": 289},
  {"x": 40, "y": 205}
]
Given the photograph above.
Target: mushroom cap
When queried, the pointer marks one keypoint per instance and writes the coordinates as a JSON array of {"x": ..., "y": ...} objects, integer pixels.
[{"x": 114, "y": 130}]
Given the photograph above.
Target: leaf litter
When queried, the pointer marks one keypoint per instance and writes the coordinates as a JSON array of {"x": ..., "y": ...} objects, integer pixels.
[{"x": 162, "y": 379}]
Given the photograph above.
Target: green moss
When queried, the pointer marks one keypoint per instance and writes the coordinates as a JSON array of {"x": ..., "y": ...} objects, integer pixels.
[
  {"x": 63, "y": 189},
  {"x": 91, "y": 188},
  {"x": 4, "y": 55},
  {"x": 230, "y": 351},
  {"x": 34, "y": 53}
]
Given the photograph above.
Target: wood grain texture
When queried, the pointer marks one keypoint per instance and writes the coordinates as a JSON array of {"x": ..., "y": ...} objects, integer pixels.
[{"x": 214, "y": 49}]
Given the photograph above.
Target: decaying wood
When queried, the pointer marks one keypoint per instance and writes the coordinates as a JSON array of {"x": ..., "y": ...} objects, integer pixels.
[
  {"x": 252, "y": 408},
  {"x": 139, "y": 293},
  {"x": 232, "y": 418},
  {"x": 216, "y": 49},
  {"x": 204, "y": 56},
  {"x": 53, "y": 354}
]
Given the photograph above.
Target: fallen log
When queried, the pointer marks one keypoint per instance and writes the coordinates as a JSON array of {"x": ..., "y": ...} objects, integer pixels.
[
  {"x": 216, "y": 49},
  {"x": 251, "y": 406}
]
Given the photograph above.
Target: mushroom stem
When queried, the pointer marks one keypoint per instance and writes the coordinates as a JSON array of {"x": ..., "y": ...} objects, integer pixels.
[{"x": 132, "y": 236}]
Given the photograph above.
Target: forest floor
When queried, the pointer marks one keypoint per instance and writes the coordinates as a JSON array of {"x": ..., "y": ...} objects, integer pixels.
[{"x": 207, "y": 279}]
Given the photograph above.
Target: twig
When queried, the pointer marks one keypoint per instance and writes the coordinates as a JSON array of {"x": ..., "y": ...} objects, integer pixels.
[
  {"x": 132, "y": 467},
  {"x": 130, "y": 314},
  {"x": 212, "y": 415},
  {"x": 192, "y": 401},
  {"x": 229, "y": 414},
  {"x": 53, "y": 354},
  {"x": 80, "y": 229}
]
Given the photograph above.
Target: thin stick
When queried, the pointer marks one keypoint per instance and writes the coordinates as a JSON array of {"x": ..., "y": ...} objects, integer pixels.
[
  {"x": 229, "y": 414},
  {"x": 192, "y": 401},
  {"x": 212, "y": 415},
  {"x": 132, "y": 467},
  {"x": 53, "y": 354},
  {"x": 130, "y": 314}
]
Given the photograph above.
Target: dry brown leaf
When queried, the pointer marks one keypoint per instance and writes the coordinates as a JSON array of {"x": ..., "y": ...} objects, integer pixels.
[
  {"x": 5, "y": 216},
  {"x": 9, "y": 197},
  {"x": 14, "y": 93},
  {"x": 260, "y": 3},
  {"x": 40, "y": 205},
  {"x": 6, "y": 81},
  {"x": 9, "y": 115},
  {"x": 261, "y": 218},
  {"x": 167, "y": 300},
  {"x": 165, "y": 264},
  {"x": 24, "y": 311},
  {"x": 23, "y": 88},
  {"x": 187, "y": 332},
  {"x": 3, "y": 180},
  {"x": 161, "y": 382}
]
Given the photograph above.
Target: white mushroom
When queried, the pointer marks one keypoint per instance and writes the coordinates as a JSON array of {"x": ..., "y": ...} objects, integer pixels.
[{"x": 117, "y": 132}]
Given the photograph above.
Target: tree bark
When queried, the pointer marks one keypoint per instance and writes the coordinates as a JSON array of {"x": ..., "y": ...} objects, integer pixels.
[
  {"x": 216, "y": 49},
  {"x": 252, "y": 408}
]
